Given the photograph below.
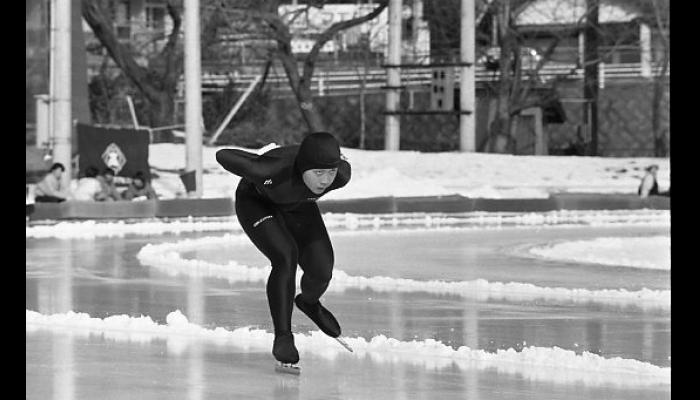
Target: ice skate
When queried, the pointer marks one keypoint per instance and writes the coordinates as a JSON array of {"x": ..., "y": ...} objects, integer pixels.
[
  {"x": 323, "y": 318},
  {"x": 285, "y": 368},
  {"x": 320, "y": 315},
  {"x": 286, "y": 354}
]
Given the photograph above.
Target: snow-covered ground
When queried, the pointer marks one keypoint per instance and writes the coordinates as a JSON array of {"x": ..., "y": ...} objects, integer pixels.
[
  {"x": 643, "y": 252},
  {"x": 534, "y": 363},
  {"x": 166, "y": 257},
  {"x": 411, "y": 173},
  {"x": 78, "y": 326}
]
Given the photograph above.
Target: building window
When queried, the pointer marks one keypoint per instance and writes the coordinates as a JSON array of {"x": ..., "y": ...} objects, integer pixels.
[
  {"x": 155, "y": 15},
  {"x": 122, "y": 19},
  {"x": 122, "y": 13}
]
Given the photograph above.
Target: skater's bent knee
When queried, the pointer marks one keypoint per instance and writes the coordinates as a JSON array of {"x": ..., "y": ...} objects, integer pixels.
[
  {"x": 322, "y": 277},
  {"x": 286, "y": 261}
]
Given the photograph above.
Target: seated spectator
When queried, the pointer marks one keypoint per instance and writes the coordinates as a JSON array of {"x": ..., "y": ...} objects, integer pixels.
[
  {"x": 139, "y": 189},
  {"x": 51, "y": 189},
  {"x": 88, "y": 186},
  {"x": 649, "y": 186},
  {"x": 108, "y": 191}
]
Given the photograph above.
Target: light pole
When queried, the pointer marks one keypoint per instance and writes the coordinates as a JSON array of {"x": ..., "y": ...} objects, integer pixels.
[
  {"x": 193, "y": 94},
  {"x": 62, "y": 117},
  {"x": 467, "y": 125},
  {"x": 393, "y": 74}
]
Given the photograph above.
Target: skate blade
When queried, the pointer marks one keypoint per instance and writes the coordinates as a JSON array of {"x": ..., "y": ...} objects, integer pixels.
[
  {"x": 288, "y": 368},
  {"x": 344, "y": 344}
]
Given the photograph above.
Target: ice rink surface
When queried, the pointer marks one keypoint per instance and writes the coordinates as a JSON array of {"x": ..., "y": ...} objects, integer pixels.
[{"x": 103, "y": 277}]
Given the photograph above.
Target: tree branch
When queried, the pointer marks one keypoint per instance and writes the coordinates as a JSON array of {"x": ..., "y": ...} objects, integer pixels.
[
  {"x": 173, "y": 66},
  {"x": 101, "y": 27},
  {"x": 332, "y": 31}
]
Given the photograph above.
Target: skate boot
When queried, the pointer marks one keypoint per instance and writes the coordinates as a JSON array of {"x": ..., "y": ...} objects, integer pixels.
[
  {"x": 283, "y": 348},
  {"x": 320, "y": 315}
]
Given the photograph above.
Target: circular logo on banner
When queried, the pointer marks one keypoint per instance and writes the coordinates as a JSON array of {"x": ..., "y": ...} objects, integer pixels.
[{"x": 114, "y": 157}]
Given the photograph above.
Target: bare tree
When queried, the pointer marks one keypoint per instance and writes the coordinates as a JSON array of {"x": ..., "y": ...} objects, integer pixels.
[
  {"x": 515, "y": 88},
  {"x": 158, "y": 82},
  {"x": 660, "y": 12},
  {"x": 267, "y": 14},
  {"x": 515, "y": 83}
]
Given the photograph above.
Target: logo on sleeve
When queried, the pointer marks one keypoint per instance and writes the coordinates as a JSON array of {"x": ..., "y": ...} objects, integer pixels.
[{"x": 268, "y": 182}]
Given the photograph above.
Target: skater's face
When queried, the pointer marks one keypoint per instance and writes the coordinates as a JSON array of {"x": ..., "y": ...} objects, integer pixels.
[{"x": 317, "y": 180}]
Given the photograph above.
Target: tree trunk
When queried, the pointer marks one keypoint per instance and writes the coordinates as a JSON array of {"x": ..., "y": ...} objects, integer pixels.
[
  {"x": 499, "y": 130},
  {"x": 660, "y": 147},
  {"x": 162, "y": 112},
  {"x": 363, "y": 116},
  {"x": 158, "y": 88},
  {"x": 302, "y": 92},
  {"x": 590, "y": 77}
]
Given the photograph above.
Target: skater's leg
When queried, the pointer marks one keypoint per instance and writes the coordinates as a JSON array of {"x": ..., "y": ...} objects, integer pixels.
[
  {"x": 315, "y": 251},
  {"x": 316, "y": 259},
  {"x": 278, "y": 246},
  {"x": 264, "y": 227}
]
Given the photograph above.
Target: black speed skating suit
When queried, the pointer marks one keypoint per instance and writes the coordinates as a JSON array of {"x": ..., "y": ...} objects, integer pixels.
[{"x": 280, "y": 215}]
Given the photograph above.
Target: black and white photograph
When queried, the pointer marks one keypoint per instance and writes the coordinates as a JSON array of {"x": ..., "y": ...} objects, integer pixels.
[{"x": 348, "y": 199}]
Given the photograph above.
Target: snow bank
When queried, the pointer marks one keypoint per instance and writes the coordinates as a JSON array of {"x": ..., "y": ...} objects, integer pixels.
[
  {"x": 638, "y": 252},
  {"x": 550, "y": 364},
  {"x": 411, "y": 173},
  {"x": 93, "y": 229},
  {"x": 166, "y": 257},
  {"x": 479, "y": 220}
]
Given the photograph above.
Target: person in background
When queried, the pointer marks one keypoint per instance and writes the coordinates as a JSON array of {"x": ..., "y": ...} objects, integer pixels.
[
  {"x": 89, "y": 187},
  {"x": 139, "y": 189},
  {"x": 649, "y": 186},
  {"x": 51, "y": 189},
  {"x": 108, "y": 188}
]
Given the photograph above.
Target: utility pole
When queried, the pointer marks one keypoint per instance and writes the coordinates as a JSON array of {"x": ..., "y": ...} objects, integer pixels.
[
  {"x": 193, "y": 94},
  {"x": 393, "y": 75},
  {"x": 62, "y": 115},
  {"x": 417, "y": 16},
  {"x": 590, "y": 74},
  {"x": 467, "y": 88}
]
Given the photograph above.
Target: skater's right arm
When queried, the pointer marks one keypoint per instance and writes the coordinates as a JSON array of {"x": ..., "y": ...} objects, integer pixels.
[{"x": 239, "y": 162}]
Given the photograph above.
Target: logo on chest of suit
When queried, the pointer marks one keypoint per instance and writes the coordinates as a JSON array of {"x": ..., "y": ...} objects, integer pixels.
[
  {"x": 268, "y": 182},
  {"x": 312, "y": 198}
]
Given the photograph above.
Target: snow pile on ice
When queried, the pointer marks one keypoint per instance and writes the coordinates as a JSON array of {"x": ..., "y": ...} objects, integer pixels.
[
  {"x": 480, "y": 220},
  {"x": 166, "y": 257},
  {"x": 408, "y": 173},
  {"x": 535, "y": 363},
  {"x": 92, "y": 229},
  {"x": 638, "y": 252}
]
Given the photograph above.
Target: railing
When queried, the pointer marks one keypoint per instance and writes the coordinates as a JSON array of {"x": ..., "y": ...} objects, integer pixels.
[{"x": 328, "y": 83}]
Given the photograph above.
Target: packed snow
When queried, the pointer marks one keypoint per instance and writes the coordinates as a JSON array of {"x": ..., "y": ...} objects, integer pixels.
[
  {"x": 642, "y": 252},
  {"x": 166, "y": 257},
  {"x": 549, "y": 364},
  {"x": 412, "y": 173},
  {"x": 349, "y": 221}
]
